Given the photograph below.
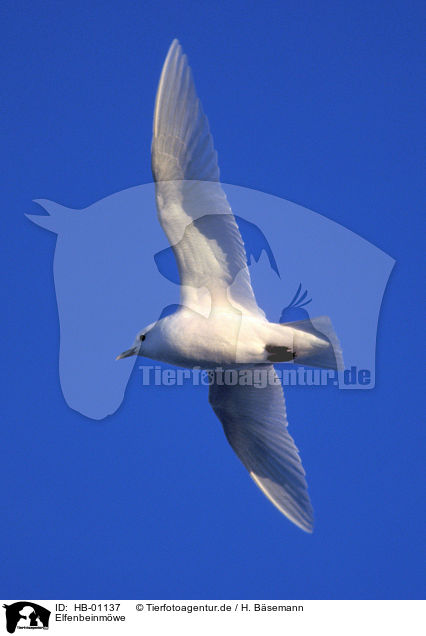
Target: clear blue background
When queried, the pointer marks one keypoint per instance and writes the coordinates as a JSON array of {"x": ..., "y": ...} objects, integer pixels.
[{"x": 319, "y": 103}]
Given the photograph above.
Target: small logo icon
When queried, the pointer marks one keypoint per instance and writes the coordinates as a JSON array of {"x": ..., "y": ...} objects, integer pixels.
[
  {"x": 294, "y": 312},
  {"x": 26, "y": 615}
]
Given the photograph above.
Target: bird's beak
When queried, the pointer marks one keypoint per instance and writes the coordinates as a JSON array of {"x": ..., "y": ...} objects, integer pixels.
[{"x": 130, "y": 352}]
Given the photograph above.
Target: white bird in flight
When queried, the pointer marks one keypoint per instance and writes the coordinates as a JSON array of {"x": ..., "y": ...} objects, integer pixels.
[{"x": 218, "y": 324}]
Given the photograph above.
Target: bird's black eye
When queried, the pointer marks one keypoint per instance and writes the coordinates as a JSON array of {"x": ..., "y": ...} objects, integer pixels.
[{"x": 142, "y": 337}]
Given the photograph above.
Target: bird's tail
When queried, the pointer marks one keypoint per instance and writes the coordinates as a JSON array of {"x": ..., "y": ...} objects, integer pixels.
[{"x": 328, "y": 353}]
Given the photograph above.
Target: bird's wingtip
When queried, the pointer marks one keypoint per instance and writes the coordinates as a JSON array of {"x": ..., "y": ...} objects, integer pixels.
[{"x": 175, "y": 45}]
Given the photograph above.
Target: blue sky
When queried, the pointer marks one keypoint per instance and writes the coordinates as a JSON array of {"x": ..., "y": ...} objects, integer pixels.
[{"x": 318, "y": 103}]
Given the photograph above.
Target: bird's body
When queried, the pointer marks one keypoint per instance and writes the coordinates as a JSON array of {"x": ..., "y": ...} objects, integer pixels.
[
  {"x": 225, "y": 339},
  {"x": 219, "y": 323}
]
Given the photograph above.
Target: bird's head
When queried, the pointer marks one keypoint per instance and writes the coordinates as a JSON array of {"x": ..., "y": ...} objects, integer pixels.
[{"x": 140, "y": 345}]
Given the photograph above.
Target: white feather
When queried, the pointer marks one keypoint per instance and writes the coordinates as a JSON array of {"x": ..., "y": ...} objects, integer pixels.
[{"x": 192, "y": 207}]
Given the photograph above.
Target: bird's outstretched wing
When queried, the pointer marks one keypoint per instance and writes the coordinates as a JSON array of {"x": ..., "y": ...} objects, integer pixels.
[
  {"x": 192, "y": 207},
  {"x": 255, "y": 424}
]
